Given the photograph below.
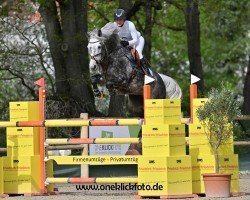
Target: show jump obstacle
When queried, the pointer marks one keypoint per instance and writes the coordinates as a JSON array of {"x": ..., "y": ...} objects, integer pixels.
[{"x": 27, "y": 168}]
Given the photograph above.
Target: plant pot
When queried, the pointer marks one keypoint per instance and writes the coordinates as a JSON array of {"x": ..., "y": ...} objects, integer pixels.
[{"x": 217, "y": 185}]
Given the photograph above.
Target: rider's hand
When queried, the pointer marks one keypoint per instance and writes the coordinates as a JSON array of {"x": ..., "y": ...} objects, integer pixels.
[{"x": 124, "y": 43}]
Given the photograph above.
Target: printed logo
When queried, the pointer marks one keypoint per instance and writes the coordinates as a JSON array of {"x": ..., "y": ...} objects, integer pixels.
[{"x": 107, "y": 134}]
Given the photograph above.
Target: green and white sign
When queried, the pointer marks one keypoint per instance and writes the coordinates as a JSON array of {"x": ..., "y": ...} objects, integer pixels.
[{"x": 111, "y": 132}]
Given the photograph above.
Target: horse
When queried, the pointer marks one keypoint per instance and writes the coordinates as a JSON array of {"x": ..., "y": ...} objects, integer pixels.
[{"x": 120, "y": 74}]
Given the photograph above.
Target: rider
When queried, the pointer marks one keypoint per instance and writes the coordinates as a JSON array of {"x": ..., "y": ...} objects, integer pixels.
[{"x": 130, "y": 36}]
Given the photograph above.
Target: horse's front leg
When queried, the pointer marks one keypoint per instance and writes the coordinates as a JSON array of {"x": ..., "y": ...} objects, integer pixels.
[
  {"x": 97, "y": 92},
  {"x": 97, "y": 79}
]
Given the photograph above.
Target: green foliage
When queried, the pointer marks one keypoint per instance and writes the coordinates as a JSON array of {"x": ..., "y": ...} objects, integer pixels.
[
  {"x": 99, "y": 12},
  {"x": 242, "y": 130},
  {"x": 224, "y": 41},
  {"x": 218, "y": 114}
]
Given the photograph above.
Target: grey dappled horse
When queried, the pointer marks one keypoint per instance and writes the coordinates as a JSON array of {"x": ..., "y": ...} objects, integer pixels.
[{"x": 113, "y": 62}]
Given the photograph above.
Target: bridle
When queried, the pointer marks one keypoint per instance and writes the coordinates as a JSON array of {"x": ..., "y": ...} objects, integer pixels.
[
  {"x": 98, "y": 62},
  {"x": 103, "y": 67}
]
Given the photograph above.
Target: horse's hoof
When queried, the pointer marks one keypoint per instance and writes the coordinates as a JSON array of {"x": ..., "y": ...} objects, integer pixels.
[
  {"x": 97, "y": 93},
  {"x": 132, "y": 152}
]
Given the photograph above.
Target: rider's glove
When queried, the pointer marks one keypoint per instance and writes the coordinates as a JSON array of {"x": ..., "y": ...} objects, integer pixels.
[{"x": 124, "y": 43}]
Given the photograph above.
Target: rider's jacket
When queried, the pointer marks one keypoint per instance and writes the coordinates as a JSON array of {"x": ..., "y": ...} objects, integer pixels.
[{"x": 128, "y": 32}]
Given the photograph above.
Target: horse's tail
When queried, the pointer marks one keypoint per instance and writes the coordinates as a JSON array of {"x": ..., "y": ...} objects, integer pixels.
[{"x": 173, "y": 90}]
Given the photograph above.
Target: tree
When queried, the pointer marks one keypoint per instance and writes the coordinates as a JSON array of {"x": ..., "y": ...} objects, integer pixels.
[
  {"x": 24, "y": 54},
  {"x": 246, "y": 91},
  {"x": 217, "y": 116},
  {"x": 193, "y": 41},
  {"x": 66, "y": 28},
  {"x": 148, "y": 29}
]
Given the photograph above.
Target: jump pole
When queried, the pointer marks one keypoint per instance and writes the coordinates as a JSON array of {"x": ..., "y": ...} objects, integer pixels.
[
  {"x": 193, "y": 94},
  {"x": 42, "y": 97},
  {"x": 72, "y": 123},
  {"x": 92, "y": 141},
  {"x": 146, "y": 95},
  {"x": 91, "y": 180}
]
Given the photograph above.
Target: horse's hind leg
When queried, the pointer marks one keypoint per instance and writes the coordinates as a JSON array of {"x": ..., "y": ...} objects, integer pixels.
[
  {"x": 135, "y": 106},
  {"x": 159, "y": 89}
]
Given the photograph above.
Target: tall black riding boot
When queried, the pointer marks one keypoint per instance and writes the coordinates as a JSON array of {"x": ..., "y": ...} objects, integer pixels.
[{"x": 145, "y": 66}]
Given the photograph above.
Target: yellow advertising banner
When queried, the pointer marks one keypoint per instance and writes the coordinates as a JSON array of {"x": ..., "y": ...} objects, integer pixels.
[
  {"x": 95, "y": 160},
  {"x": 22, "y": 141},
  {"x": 163, "y": 130},
  {"x": 1, "y": 176},
  {"x": 172, "y": 173},
  {"x": 199, "y": 144},
  {"x": 21, "y": 174},
  {"x": 24, "y": 111},
  {"x": 163, "y": 111},
  {"x": 197, "y": 102},
  {"x": 173, "y": 146},
  {"x": 199, "y": 147}
]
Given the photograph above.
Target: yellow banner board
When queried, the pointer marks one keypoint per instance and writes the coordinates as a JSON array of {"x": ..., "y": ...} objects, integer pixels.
[
  {"x": 21, "y": 174},
  {"x": 95, "y": 160},
  {"x": 163, "y": 111},
  {"x": 22, "y": 141},
  {"x": 197, "y": 102},
  {"x": 172, "y": 173},
  {"x": 24, "y": 111}
]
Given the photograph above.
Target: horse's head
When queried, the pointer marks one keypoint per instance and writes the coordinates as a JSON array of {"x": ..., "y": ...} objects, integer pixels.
[
  {"x": 95, "y": 49},
  {"x": 98, "y": 46},
  {"x": 99, "y": 39}
]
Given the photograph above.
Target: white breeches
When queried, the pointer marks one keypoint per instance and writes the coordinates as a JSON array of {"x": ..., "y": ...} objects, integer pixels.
[{"x": 139, "y": 46}]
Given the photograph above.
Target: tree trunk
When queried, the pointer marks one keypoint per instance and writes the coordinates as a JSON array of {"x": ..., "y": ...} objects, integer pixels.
[
  {"x": 216, "y": 156},
  {"x": 117, "y": 107},
  {"x": 148, "y": 30},
  {"x": 54, "y": 36},
  {"x": 246, "y": 91},
  {"x": 193, "y": 41},
  {"x": 68, "y": 42},
  {"x": 125, "y": 4}
]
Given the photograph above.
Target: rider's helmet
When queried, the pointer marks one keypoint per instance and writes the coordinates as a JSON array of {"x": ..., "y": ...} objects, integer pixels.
[{"x": 120, "y": 14}]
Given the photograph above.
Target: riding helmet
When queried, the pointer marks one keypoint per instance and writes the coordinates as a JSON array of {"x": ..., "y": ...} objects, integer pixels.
[{"x": 120, "y": 14}]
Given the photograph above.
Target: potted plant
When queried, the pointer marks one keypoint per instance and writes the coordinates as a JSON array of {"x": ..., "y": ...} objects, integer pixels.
[{"x": 217, "y": 116}]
